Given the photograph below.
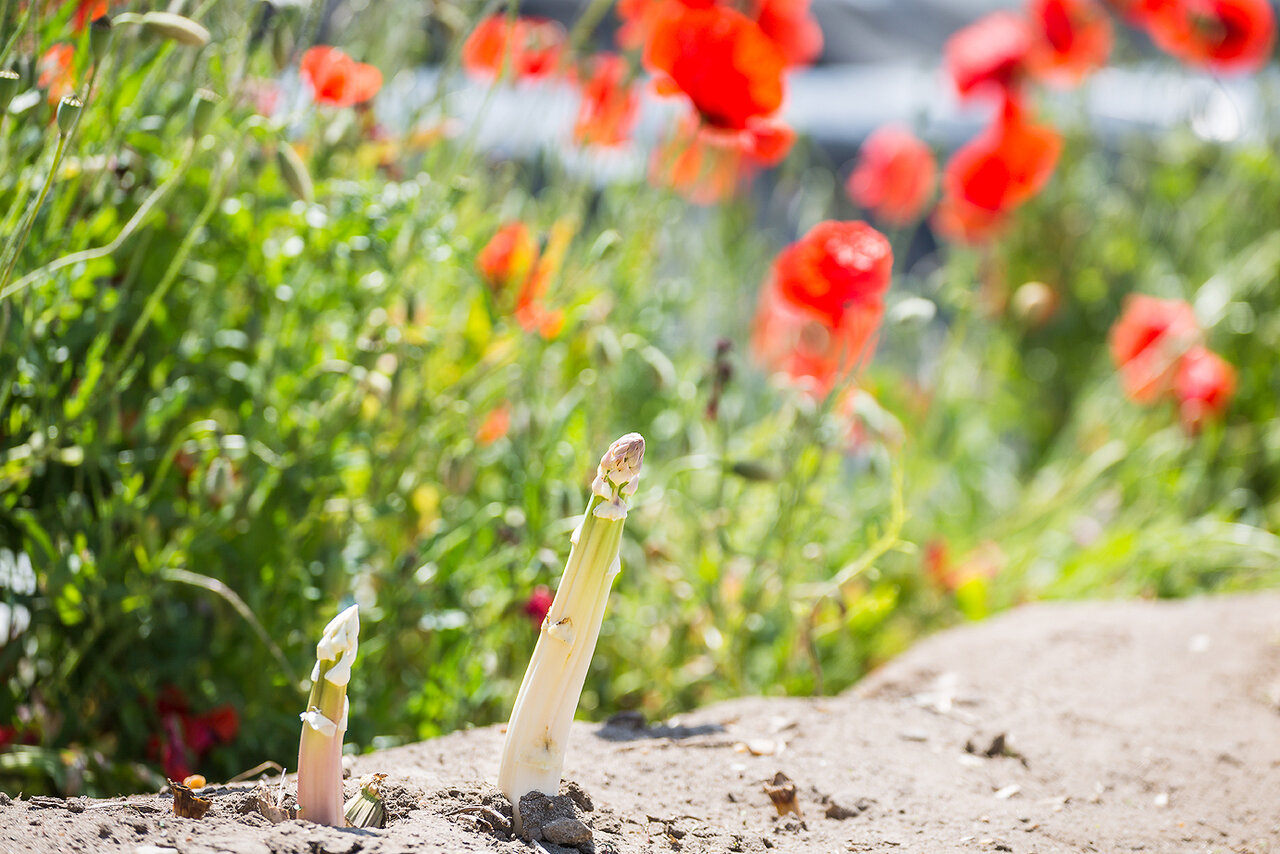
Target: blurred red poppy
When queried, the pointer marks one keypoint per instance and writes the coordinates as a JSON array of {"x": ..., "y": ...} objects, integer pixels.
[
  {"x": 533, "y": 47},
  {"x": 718, "y": 58},
  {"x": 87, "y": 11},
  {"x": 609, "y": 103},
  {"x": 792, "y": 28},
  {"x": 894, "y": 176},
  {"x": 1073, "y": 39},
  {"x": 509, "y": 256},
  {"x": 54, "y": 72},
  {"x": 1148, "y": 343},
  {"x": 337, "y": 80},
  {"x": 1204, "y": 386},
  {"x": 836, "y": 268},
  {"x": 1220, "y": 35},
  {"x": 1004, "y": 166},
  {"x": 495, "y": 425},
  {"x": 538, "y": 604},
  {"x": 702, "y": 164},
  {"x": 990, "y": 55},
  {"x": 820, "y": 310}
]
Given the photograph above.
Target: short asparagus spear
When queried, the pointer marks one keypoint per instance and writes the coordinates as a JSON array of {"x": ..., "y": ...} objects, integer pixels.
[
  {"x": 325, "y": 721},
  {"x": 533, "y": 754}
]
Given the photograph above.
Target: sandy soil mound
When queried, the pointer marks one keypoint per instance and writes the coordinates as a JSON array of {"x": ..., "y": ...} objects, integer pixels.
[{"x": 1136, "y": 726}]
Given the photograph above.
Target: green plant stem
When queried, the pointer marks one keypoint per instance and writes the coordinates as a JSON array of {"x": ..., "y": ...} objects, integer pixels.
[
  {"x": 179, "y": 258},
  {"x": 125, "y": 232},
  {"x": 24, "y": 232},
  {"x": 17, "y": 34}
]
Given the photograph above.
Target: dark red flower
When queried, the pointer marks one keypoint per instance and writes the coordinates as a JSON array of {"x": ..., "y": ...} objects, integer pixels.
[
  {"x": 1006, "y": 165},
  {"x": 185, "y": 738},
  {"x": 820, "y": 310},
  {"x": 531, "y": 47},
  {"x": 609, "y": 103},
  {"x": 1148, "y": 343},
  {"x": 509, "y": 256},
  {"x": 990, "y": 55},
  {"x": 1073, "y": 39},
  {"x": 337, "y": 80},
  {"x": 792, "y": 28},
  {"x": 1220, "y": 35},
  {"x": 538, "y": 604},
  {"x": 720, "y": 59},
  {"x": 1203, "y": 387},
  {"x": 894, "y": 176}
]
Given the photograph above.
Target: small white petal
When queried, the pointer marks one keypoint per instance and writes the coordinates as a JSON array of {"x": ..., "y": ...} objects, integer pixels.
[{"x": 318, "y": 722}]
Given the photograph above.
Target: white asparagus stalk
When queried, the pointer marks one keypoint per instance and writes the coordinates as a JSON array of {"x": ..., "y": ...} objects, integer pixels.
[
  {"x": 325, "y": 721},
  {"x": 533, "y": 754}
]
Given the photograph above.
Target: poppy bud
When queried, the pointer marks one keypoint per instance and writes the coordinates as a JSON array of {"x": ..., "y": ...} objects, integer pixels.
[
  {"x": 294, "y": 172},
  {"x": 8, "y": 88},
  {"x": 1034, "y": 303},
  {"x": 202, "y": 106},
  {"x": 176, "y": 27},
  {"x": 100, "y": 37},
  {"x": 68, "y": 111},
  {"x": 281, "y": 45}
]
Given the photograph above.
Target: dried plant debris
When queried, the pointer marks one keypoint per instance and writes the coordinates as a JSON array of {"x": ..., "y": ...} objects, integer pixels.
[
  {"x": 272, "y": 804},
  {"x": 783, "y": 794},
  {"x": 998, "y": 747},
  {"x": 186, "y": 803},
  {"x": 366, "y": 808}
]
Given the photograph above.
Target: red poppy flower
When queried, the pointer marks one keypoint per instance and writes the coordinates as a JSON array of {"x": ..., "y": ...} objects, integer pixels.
[
  {"x": 790, "y": 340},
  {"x": 87, "y": 11},
  {"x": 532, "y": 47},
  {"x": 1073, "y": 38},
  {"x": 337, "y": 80},
  {"x": 720, "y": 59},
  {"x": 538, "y": 604},
  {"x": 792, "y": 28},
  {"x": 1148, "y": 343},
  {"x": 509, "y": 256},
  {"x": 609, "y": 103},
  {"x": 1204, "y": 385},
  {"x": 990, "y": 55},
  {"x": 54, "y": 72},
  {"x": 1220, "y": 35},
  {"x": 495, "y": 425},
  {"x": 1006, "y": 165},
  {"x": 895, "y": 175},
  {"x": 819, "y": 312},
  {"x": 700, "y": 163},
  {"x": 836, "y": 268}
]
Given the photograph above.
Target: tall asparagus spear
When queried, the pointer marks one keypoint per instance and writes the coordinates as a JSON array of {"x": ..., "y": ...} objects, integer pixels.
[
  {"x": 533, "y": 755},
  {"x": 325, "y": 721}
]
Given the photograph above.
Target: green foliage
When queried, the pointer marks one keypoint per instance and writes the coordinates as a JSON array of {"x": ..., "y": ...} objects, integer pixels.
[{"x": 227, "y": 411}]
